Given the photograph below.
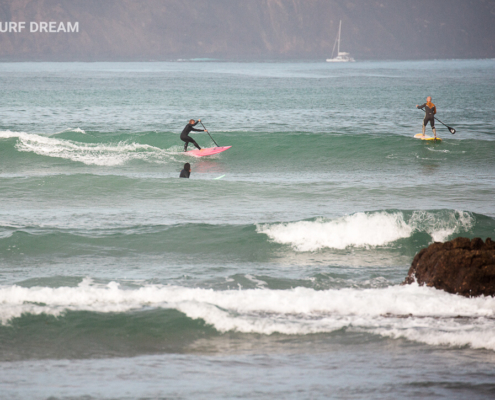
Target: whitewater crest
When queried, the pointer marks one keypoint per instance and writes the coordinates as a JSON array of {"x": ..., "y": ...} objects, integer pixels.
[
  {"x": 367, "y": 229},
  {"x": 77, "y": 130},
  {"x": 416, "y": 313},
  {"x": 87, "y": 153}
]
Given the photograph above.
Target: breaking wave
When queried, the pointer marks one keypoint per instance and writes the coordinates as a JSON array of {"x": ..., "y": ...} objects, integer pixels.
[
  {"x": 416, "y": 313},
  {"x": 367, "y": 229},
  {"x": 109, "y": 154}
]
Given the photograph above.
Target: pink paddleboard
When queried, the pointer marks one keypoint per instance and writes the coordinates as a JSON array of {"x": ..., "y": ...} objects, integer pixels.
[{"x": 207, "y": 152}]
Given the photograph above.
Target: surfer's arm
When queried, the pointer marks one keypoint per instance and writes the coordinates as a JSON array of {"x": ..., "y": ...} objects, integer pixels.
[
  {"x": 197, "y": 130},
  {"x": 434, "y": 110},
  {"x": 421, "y": 106}
]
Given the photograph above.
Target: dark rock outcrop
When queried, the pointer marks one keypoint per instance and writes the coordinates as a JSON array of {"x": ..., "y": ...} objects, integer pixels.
[{"x": 461, "y": 266}]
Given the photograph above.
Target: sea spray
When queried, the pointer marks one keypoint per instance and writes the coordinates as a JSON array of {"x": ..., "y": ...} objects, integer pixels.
[{"x": 442, "y": 224}]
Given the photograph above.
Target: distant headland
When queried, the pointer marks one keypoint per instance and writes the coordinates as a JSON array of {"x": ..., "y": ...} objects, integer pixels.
[{"x": 127, "y": 30}]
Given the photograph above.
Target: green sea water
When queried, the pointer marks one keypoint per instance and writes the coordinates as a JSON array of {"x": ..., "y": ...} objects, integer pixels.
[{"x": 282, "y": 279}]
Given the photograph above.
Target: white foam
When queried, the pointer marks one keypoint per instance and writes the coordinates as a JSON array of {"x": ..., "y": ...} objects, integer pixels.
[
  {"x": 87, "y": 153},
  {"x": 416, "y": 313},
  {"x": 259, "y": 283},
  {"x": 442, "y": 224},
  {"x": 438, "y": 151},
  {"x": 78, "y": 130},
  {"x": 366, "y": 229}
]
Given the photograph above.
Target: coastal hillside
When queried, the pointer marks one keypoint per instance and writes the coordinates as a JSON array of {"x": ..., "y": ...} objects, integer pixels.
[{"x": 253, "y": 29}]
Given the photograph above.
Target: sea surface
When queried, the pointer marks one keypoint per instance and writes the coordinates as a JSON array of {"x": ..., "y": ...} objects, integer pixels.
[{"x": 280, "y": 280}]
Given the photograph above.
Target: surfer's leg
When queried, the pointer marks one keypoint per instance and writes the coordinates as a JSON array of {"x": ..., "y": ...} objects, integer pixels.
[
  {"x": 185, "y": 143},
  {"x": 188, "y": 140},
  {"x": 432, "y": 123},
  {"x": 424, "y": 127},
  {"x": 194, "y": 143}
]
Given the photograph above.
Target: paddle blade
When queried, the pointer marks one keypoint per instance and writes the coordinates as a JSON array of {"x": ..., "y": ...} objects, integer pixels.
[{"x": 452, "y": 130}]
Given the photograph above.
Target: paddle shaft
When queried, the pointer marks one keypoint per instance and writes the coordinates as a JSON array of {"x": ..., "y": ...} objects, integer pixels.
[
  {"x": 452, "y": 130},
  {"x": 208, "y": 133}
]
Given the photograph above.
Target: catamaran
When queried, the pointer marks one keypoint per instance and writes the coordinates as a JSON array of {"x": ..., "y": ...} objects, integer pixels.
[{"x": 341, "y": 55}]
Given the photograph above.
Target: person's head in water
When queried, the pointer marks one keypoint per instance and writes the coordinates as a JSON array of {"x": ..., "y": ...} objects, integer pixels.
[{"x": 186, "y": 172}]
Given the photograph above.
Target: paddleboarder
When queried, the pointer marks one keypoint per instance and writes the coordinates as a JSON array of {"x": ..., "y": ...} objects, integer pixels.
[
  {"x": 184, "y": 136},
  {"x": 186, "y": 172},
  {"x": 430, "y": 110}
]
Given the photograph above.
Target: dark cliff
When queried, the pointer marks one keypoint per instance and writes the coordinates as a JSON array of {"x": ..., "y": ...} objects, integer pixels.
[{"x": 251, "y": 29}]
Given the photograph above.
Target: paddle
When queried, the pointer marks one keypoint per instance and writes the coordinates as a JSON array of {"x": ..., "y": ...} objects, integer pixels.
[
  {"x": 452, "y": 130},
  {"x": 208, "y": 133}
]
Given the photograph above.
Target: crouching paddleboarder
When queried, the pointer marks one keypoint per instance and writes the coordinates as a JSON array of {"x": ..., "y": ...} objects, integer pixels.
[{"x": 184, "y": 136}]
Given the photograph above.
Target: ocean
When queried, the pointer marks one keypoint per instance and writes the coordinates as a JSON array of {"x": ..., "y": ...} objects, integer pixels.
[{"x": 282, "y": 279}]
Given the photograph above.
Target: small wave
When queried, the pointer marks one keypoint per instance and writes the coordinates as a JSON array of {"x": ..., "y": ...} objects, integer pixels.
[
  {"x": 77, "y": 130},
  {"x": 366, "y": 229},
  {"x": 87, "y": 153},
  {"x": 416, "y": 313}
]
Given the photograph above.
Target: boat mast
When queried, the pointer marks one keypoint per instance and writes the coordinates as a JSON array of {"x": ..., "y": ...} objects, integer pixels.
[
  {"x": 334, "y": 44},
  {"x": 338, "y": 47}
]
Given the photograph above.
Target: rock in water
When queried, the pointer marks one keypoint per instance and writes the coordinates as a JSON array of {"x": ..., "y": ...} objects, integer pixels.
[{"x": 460, "y": 266}]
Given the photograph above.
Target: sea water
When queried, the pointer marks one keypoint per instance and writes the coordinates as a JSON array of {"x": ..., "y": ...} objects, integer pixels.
[{"x": 118, "y": 280}]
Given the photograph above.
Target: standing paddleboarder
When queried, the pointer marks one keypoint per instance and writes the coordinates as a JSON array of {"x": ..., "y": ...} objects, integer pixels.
[
  {"x": 184, "y": 136},
  {"x": 430, "y": 110}
]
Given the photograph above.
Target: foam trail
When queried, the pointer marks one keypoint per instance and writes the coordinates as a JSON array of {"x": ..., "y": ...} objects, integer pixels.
[
  {"x": 412, "y": 312},
  {"x": 366, "y": 229},
  {"x": 87, "y": 153}
]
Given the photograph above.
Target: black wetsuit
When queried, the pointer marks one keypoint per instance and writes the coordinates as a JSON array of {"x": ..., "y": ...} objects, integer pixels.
[
  {"x": 184, "y": 173},
  {"x": 430, "y": 110},
  {"x": 184, "y": 136}
]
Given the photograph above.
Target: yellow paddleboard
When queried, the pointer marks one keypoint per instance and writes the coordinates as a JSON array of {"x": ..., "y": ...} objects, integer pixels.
[{"x": 420, "y": 136}]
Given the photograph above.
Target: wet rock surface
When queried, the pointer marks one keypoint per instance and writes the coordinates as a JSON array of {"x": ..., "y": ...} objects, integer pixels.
[{"x": 461, "y": 266}]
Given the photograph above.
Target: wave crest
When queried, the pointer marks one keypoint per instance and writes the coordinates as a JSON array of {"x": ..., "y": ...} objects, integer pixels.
[
  {"x": 367, "y": 229},
  {"x": 416, "y": 313},
  {"x": 87, "y": 153}
]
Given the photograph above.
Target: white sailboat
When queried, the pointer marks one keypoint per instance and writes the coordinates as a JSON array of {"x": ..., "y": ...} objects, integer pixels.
[{"x": 341, "y": 55}]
